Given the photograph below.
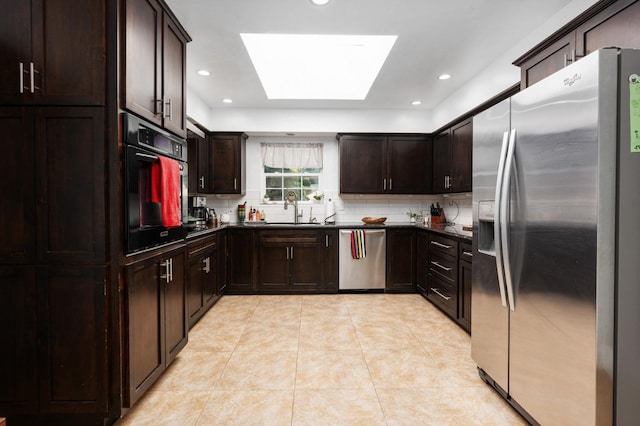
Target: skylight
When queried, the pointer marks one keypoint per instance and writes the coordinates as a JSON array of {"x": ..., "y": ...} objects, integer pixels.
[{"x": 307, "y": 66}]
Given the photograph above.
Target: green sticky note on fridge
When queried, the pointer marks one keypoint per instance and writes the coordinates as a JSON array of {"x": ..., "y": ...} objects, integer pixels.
[{"x": 634, "y": 111}]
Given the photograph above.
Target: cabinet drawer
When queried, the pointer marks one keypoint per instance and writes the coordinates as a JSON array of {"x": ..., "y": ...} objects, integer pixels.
[
  {"x": 465, "y": 252},
  {"x": 443, "y": 245},
  {"x": 443, "y": 295},
  {"x": 445, "y": 267},
  {"x": 197, "y": 247}
]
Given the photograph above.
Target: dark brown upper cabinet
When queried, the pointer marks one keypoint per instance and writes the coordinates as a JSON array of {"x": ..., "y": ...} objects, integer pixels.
[
  {"x": 384, "y": 164},
  {"x": 52, "y": 52},
  {"x": 154, "y": 65},
  {"x": 607, "y": 23},
  {"x": 452, "y": 151},
  {"x": 227, "y": 163}
]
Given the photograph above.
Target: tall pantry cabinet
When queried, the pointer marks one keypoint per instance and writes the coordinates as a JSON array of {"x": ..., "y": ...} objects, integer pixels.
[{"x": 61, "y": 229}]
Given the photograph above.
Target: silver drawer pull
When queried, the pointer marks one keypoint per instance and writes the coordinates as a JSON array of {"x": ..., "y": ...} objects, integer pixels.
[
  {"x": 440, "y": 266},
  {"x": 467, "y": 253},
  {"x": 444, "y": 246},
  {"x": 435, "y": 290}
]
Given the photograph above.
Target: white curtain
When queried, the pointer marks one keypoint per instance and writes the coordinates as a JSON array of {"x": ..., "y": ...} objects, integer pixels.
[{"x": 292, "y": 155}]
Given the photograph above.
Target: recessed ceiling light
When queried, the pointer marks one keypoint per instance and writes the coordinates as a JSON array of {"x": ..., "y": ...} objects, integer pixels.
[
  {"x": 227, "y": 100},
  {"x": 204, "y": 72},
  {"x": 319, "y": 2},
  {"x": 416, "y": 103},
  {"x": 444, "y": 76},
  {"x": 308, "y": 66}
]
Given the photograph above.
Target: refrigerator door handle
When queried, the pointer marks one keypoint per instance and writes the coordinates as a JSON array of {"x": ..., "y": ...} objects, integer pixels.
[
  {"x": 497, "y": 234},
  {"x": 504, "y": 218}
]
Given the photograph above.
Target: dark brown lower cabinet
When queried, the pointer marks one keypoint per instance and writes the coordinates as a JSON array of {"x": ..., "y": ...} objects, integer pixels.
[
  {"x": 240, "y": 261},
  {"x": 331, "y": 261},
  {"x": 291, "y": 261},
  {"x": 55, "y": 341},
  {"x": 464, "y": 294},
  {"x": 155, "y": 319},
  {"x": 401, "y": 260},
  {"x": 422, "y": 263},
  {"x": 18, "y": 356},
  {"x": 202, "y": 283}
]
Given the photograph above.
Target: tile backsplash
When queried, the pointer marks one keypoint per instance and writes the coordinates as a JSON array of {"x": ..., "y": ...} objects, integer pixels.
[{"x": 349, "y": 207}]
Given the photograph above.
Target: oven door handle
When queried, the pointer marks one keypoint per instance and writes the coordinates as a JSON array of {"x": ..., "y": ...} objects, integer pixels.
[{"x": 147, "y": 156}]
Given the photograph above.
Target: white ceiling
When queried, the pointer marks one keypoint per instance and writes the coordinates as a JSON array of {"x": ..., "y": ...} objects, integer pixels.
[{"x": 459, "y": 37}]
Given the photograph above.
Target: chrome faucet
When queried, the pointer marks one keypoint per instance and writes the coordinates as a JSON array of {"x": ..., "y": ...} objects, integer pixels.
[{"x": 292, "y": 199}]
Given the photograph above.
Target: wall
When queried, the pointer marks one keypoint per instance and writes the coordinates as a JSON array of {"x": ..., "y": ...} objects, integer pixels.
[{"x": 348, "y": 207}]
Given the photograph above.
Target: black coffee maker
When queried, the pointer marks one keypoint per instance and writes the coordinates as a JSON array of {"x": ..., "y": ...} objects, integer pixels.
[{"x": 199, "y": 213}]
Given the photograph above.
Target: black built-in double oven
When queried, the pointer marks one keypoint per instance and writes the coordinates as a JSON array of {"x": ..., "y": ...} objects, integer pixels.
[{"x": 144, "y": 143}]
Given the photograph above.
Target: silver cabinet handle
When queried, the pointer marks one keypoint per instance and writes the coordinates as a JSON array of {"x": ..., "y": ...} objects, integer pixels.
[
  {"x": 384, "y": 184},
  {"x": 171, "y": 269},
  {"x": 21, "y": 68},
  {"x": 159, "y": 107},
  {"x": 201, "y": 182},
  {"x": 437, "y": 244},
  {"x": 206, "y": 265},
  {"x": 326, "y": 241},
  {"x": 440, "y": 266},
  {"x": 167, "y": 276},
  {"x": 292, "y": 253},
  {"x": 390, "y": 184},
  {"x": 32, "y": 72},
  {"x": 287, "y": 253},
  {"x": 467, "y": 253},
  {"x": 170, "y": 103},
  {"x": 435, "y": 290},
  {"x": 235, "y": 183}
]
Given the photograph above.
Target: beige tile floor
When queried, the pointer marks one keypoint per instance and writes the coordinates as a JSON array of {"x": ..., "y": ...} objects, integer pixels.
[{"x": 346, "y": 359}]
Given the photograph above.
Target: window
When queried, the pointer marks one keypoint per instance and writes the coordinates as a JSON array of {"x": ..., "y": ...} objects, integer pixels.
[{"x": 291, "y": 167}]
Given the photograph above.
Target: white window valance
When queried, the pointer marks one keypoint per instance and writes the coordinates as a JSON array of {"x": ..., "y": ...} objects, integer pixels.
[{"x": 292, "y": 155}]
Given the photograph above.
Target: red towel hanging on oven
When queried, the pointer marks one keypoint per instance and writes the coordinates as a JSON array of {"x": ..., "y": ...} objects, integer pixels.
[{"x": 165, "y": 189}]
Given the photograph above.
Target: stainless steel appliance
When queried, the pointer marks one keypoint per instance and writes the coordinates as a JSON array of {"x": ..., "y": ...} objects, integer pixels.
[
  {"x": 143, "y": 144},
  {"x": 367, "y": 273},
  {"x": 556, "y": 253}
]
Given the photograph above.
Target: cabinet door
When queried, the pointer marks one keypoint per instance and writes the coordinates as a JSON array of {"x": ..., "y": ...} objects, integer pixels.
[
  {"x": 17, "y": 222},
  {"x": 15, "y": 49},
  {"x": 422, "y": 262},
  {"x": 18, "y": 356},
  {"x": 68, "y": 60},
  {"x": 144, "y": 345},
  {"x": 464, "y": 295},
  {"x": 274, "y": 266},
  {"x": 69, "y": 49},
  {"x": 401, "y": 258},
  {"x": 331, "y": 261},
  {"x": 222, "y": 278},
  {"x": 406, "y": 159},
  {"x": 240, "y": 261},
  {"x": 175, "y": 315},
  {"x": 70, "y": 184},
  {"x": 143, "y": 56},
  {"x": 441, "y": 164},
  {"x": 306, "y": 269},
  {"x": 461, "y": 149},
  {"x": 553, "y": 58},
  {"x": 210, "y": 279},
  {"x": 198, "y": 153},
  {"x": 194, "y": 292},
  {"x": 614, "y": 26},
  {"x": 173, "y": 75},
  {"x": 72, "y": 339},
  {"x": 362, "y": 164},
  {"x": 226, "y": 153}
]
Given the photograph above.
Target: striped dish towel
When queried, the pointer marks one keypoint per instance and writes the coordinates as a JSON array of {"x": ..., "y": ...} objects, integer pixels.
[{"x": 358, "y": 246}]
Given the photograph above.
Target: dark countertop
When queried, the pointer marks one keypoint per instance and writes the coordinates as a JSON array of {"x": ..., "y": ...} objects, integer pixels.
[{"x": 448, "y": 230}]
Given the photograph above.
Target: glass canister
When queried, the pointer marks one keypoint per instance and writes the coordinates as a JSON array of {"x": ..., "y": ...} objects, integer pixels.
[{"x": 242, "y": 212}]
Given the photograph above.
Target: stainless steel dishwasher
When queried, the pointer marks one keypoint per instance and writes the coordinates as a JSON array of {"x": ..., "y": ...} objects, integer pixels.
[{"x": 366, "y": 273}]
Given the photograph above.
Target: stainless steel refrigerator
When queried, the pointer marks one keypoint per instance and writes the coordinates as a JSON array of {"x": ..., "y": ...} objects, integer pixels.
[{"x": 556, "y": 253}]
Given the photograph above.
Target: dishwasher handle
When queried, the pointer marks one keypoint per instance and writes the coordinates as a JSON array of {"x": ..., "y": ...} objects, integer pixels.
[{"x": 379, "y": 231}]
